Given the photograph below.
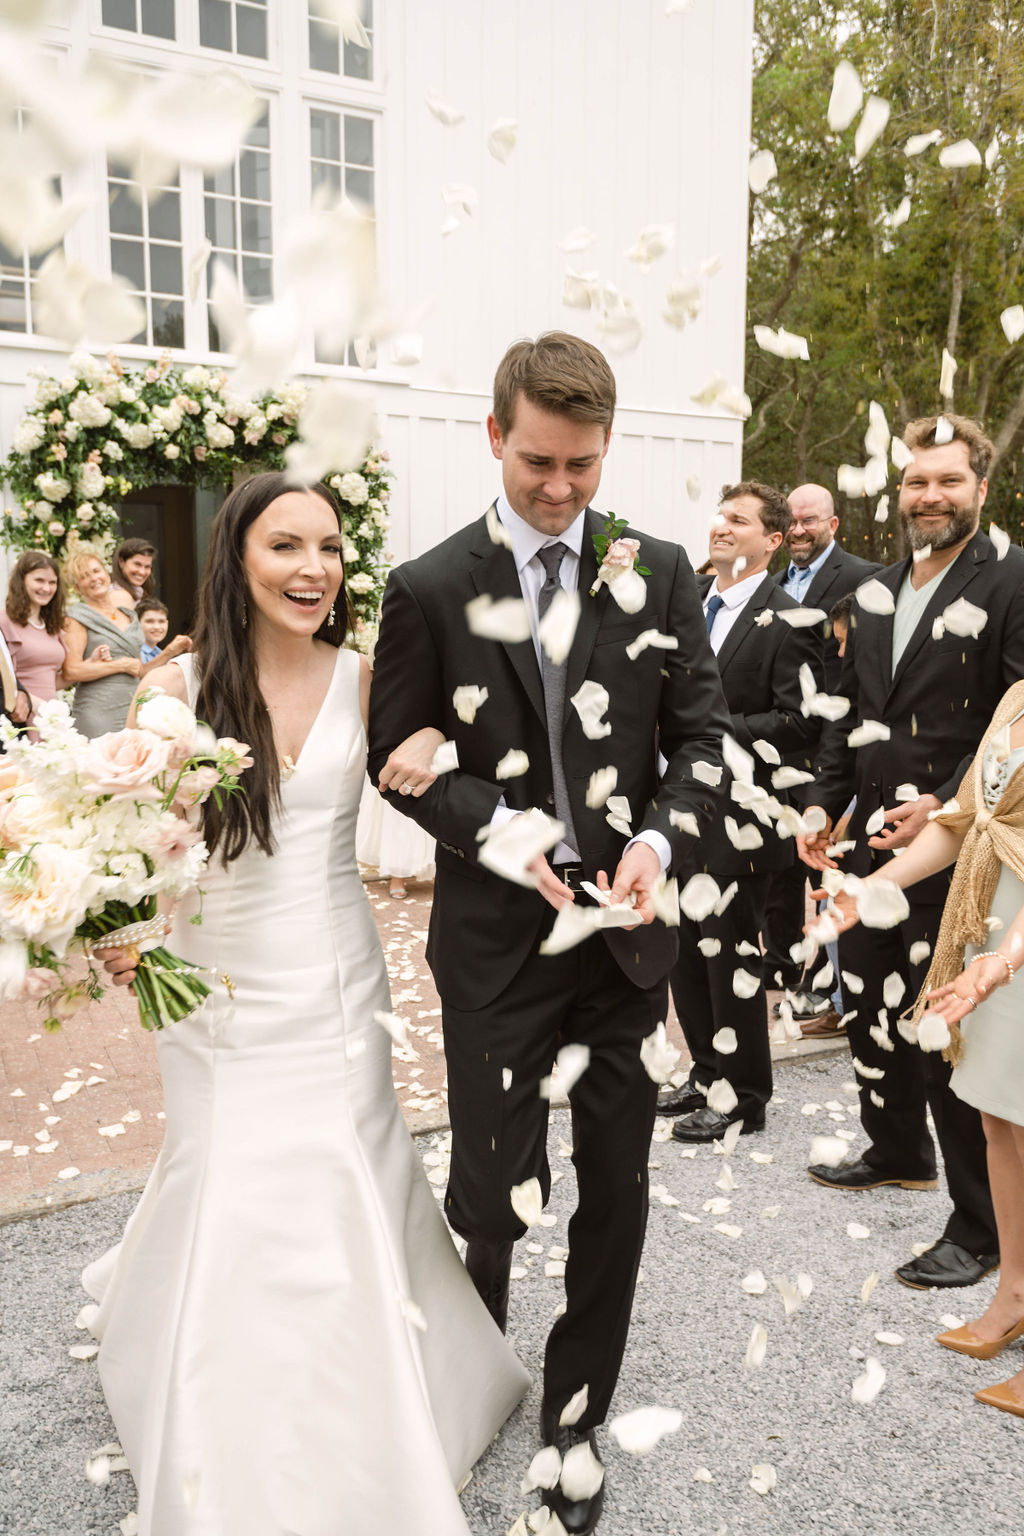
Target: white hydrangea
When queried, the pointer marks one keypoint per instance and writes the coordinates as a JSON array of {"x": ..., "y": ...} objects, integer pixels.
[
  {"x": 220, "y": 436},
  {"x": 137, "y": 434},
  {"x": 91, "y": 481},
  {"x": 47, "y": 391},
  {"x": 112, "y": 450},
  {"x": 239, "y": 405},
  {"x": 53, "y": 487},
  {"x": 89, "y": 410},
  {"x": 169, "y": 417},
  {"x": 88, "y": 368},
  {"x": 354, "y": 489},
  {"x": 293, "y": 397},
  {"x": 360, "y": 583},
  {"x": 43, "y": 510},
  {"x": 197, "y": 378},
  {"x": 72, "y": 429},
  {"x": 85, "y": 513},
  {"x": 29, "y": 434},
  {"x": 126, "y": 394},
  {"x": 350, "y": 554}
]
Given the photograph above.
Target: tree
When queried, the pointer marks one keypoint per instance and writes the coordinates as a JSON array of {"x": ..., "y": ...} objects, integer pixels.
[{"x": 880, "y": 297}]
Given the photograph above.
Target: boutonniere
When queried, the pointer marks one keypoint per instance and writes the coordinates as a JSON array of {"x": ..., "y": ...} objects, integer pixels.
[{"x": 618, "y": 566}]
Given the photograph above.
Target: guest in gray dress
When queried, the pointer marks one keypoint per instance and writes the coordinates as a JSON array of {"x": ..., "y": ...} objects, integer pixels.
[
  {"x": 977, "y": 954},
  {"x": 103, "y": 642}
]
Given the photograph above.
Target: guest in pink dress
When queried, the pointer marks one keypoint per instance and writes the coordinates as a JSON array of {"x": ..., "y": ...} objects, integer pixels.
[{"x": 32, "y": 623}]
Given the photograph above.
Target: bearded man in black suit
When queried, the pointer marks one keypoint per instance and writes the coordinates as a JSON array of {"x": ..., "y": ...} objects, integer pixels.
[
  {"x": 608, "y": 704},
  {"x": 927, "y": 664}
]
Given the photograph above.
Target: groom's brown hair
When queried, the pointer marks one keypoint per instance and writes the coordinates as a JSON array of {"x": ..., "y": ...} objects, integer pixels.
[{"x": 558, "y": 373}]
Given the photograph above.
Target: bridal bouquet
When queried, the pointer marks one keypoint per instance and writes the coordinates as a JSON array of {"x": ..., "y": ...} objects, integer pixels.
[{"x": 92, "y": 832}]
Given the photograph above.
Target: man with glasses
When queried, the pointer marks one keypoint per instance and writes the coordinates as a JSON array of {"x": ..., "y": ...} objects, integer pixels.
[{"x": 819, "y": 573}]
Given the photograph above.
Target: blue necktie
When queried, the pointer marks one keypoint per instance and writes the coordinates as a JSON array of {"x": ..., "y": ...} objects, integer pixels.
[{"x": 711, "y": 612}]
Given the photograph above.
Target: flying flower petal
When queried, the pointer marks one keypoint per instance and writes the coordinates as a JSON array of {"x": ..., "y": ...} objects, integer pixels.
[
  {"x": 639, "y": 1431},
  {"x": 508, "y": 619},
  {"x": 781, "y": 343},
  {"x": 871, "y": 126},
  {"x": 652, "y": 241},
  {"x": 528, "y": 1203},
  {"x": 933, "y": 1032},
  {"x": 919, "y": 142},
  {"x": 867, "y": 1387},
  {"x": 699, "y": 897},
  {"x": 558, "y": 626},
  {"x": 873, "y": 597},
  {"x": 512, "y": 765},
  {"x": 958, "y": 156},
  {"x": 866, "y": 733},
  {"x": 509, "y": 847},
  {"x": 70, "y": 302},
  {"x": 724, "y": 1041},
  {"x": 445, "y": 758},
  {"x": 450, "y": 116},
  {"x": 722, "y": 1096},
  {"x": 1012, "y": 322},
  {"x": 846, "y": 98},
  {"x": 601, "y": 784},
  {"x": 946, "y": 376},
  {"x": 337, "y": 424},
  {"x": 467, "y": 699},
  {"x": 762, "y": 170},
  {"x": 582, "y": 1473},
  {"x": 658, "y": 1055},
  {"x": 651, "y": 637},
  {"x": 963, "y": 618},
  {"x": 501, "y": 140},
  {"x": 544, "y": 1470},
  {"x": 590, "y": 703}
]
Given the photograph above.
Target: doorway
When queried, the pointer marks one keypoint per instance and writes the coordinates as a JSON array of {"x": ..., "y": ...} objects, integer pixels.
[{"x": 175, "y": 519}]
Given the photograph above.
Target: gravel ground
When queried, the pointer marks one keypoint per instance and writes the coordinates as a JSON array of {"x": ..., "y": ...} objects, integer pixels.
[{"x": 922, "y": 1456}]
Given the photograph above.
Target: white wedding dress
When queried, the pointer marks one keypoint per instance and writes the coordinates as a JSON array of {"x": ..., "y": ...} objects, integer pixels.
[{"x": 290, "y": 1345}]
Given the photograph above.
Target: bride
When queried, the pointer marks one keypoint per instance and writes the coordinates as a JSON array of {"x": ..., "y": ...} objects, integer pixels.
[{"x": 289, "y": 1343}]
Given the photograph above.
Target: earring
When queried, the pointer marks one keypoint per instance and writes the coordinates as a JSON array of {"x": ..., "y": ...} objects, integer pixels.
[
  {"x": 330, "y": 616},
  {"x": 245, "y": 614}
]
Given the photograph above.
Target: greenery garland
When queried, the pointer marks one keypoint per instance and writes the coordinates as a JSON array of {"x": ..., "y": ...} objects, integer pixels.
[{"x": 100, "y": 432}]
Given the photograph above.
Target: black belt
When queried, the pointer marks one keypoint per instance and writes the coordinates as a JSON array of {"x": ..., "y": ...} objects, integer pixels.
[{"x": 571, "y": 875}]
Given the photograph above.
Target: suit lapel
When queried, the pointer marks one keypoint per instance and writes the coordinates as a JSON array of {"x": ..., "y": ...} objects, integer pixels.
[
  {"x": 946, "y": 591},
  {"x": 822, "y": 580},
  {"x": 591, "y": 609},
  {"x": 495, "y": 574},
  {"x": 745, "y": 623},
  {"x": 878, "y": 630}
]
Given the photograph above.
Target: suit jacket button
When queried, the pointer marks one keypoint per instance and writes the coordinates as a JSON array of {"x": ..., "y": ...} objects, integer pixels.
[{"x": 550, "y": 797}]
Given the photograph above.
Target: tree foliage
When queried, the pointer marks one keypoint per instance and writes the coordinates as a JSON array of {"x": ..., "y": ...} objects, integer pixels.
[{"x": 879, "y": 302}]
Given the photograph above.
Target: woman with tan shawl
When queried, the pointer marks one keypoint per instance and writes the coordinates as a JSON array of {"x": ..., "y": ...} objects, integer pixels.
[{"x": 978, "y": 951}]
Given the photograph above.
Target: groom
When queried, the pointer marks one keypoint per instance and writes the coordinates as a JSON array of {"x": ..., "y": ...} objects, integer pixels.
[{"x": 507, "y": 1009}]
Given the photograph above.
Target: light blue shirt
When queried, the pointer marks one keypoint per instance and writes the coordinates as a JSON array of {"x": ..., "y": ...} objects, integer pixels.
[{"x": 799, "y": 578}]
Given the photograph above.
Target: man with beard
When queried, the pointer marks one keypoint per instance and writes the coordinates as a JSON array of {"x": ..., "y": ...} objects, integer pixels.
[
  {"x": 819, "y": 573},
  {"x": 931, "y": 672}
]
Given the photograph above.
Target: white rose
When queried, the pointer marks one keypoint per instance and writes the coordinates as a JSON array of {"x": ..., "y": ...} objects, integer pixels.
[
  {"x": 165, "y": 716},
  {"x": 196, "y": 378},
  {"x": 43, "y": 510},
  {"x": 55, "y": 528},
  {"x": 29, "y": 434},
  {"x": 350, "y": 554},
  {"x": 46, "y": 896},
  {"x": 91, "y": 481},
  {"x": 88, "y": 410},
  {"x": 72, "y": 431},
  {"x": 112, "y": 450},
  {"x": 219, "y": 436},
  {"x": 353, "y": 489},
  {"x": 86, "y": 512},
  {"x": 171, "y": 451},
  {"x": 53, "y": 487},
  {"x": 128, "y": 396},
  {"x": 360, "y": 583}
]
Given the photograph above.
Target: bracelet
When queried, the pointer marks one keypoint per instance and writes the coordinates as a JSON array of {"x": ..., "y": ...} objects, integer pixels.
[{"x": 995, "y": 954}]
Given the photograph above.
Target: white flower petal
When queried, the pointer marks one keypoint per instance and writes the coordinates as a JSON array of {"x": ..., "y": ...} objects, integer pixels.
[
  {"x": 501, "y": 140},
  {"x": 933, "y": 1032},
  {"x": 875, "y": 598},
  {"x": 892, "y": 1339},
  {"x": 958, "y": 156},
  {"x": 763, "y": 1477},
  {"x": 781, "y": 343},
  {"x": 508, "y": 848},
  {"x": 744, "y": 983},
  {"x": 762, "y": 170},
  {"x": 528, "y": 1203},
  {"x": 544, "y": 1470},
  {"x": 467, "y": 699},
  {"x": 651, "y": 637},
  {"x": 652, "y": 241},
  {"x": 600, "y": 785},
  {"x": 919, "y": 142},
  {"x": 755, "y": 1283},
  {"x": 591, "y": 703},
  {"x": 445, "y": 758},
  {"x": 857, "y": 1231},
  {"x": 724, "y": 1041},
  {"x": 582, "y": 1473},
  {"x": 450, "y": 116},
  {"x": 572, "y": 1061},
  {"x": 512, "y": 765},
  {"x": 867, "y": 732},
  {"x": 508, "y": 619},
  {"x": 558, "y": 626},
  {"x": 722, "y": 1096},
  {"x": 757, "y": 1347},
  {"x": 847, "y": 96},
  {"x": 337, "y": 423},
  {"x": 871, "y": 126},
  {"x": 828, "y": 1150},
  {"x": 964, "y": 618},
  {"x": 640, "y": 1430},
  {"x": 867, "y": 1387},
  {"x": 578, "y": 239},
  {"x": 699, "y": 897},
  {"x": 881, "y": 904},
  {"x": 1012, "y": 322},
  {"x": 867, "y": 1289}
]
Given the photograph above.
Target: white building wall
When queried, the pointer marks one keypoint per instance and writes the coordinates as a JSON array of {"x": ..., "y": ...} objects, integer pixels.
[{"x": 627, "y": 117}]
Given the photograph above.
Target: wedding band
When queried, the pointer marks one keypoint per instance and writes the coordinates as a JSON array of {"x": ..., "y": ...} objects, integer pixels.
[{"x": 405, "y": 789}]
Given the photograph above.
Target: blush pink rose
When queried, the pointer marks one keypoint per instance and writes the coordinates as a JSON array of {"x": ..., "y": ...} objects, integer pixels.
[
  {"x": 194, "y": 787},
  {"x": 39, "y": 981},
  {"x": 621, "y": 552},
  {"x": 125, "y": 764}
]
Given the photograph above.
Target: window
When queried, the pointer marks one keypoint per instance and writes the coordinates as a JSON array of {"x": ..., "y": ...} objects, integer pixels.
[
  {"x": 236, "y": 26},
  {"x": 154, "y": 18},
  {"x": 330, "y": 52},
  {"x": 18, "y": 269},
  {"x": 145, "y": 248},
  {"x": 238, "y": 220},
  {"x": 341, "y": 165}
]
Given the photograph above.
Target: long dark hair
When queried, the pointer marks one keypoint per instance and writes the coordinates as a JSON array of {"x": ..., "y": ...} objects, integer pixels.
[
  {"x": 124, "y": 551},
  {"x": 19, "y": 604},
  {"x": 229, "y": 697}
]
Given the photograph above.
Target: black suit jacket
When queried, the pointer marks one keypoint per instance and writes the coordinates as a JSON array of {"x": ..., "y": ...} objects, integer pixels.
[
  {"x": 936, "y": 705},
  {"x": 840, "y": 574},
  {"x": 759, "y": 665},
  {"x": 482, "y": 928}
]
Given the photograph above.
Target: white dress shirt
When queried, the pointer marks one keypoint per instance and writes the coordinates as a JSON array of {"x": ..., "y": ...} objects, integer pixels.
[{"x": 734, "y": 599}]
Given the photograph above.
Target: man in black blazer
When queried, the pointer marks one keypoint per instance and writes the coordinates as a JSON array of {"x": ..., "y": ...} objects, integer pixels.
[
  {"x": 15, "y": 704},
  {"x": 759, "y": 657},
  {"x": 933, "y": 691},
  {"x": 819, "y": 573},
  {"x": 506, "y": 1008}
]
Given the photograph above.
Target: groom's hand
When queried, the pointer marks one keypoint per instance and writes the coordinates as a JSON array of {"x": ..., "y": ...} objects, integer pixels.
[
  {"x": 638, "y": 870},
  {"x": 555, "y": 892}
]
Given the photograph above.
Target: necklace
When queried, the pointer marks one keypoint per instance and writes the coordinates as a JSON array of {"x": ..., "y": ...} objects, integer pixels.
[{"x": 36, "y": 623}]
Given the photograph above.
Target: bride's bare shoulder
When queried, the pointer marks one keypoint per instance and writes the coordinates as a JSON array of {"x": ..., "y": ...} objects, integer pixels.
[{"x": 171, "y": 679}]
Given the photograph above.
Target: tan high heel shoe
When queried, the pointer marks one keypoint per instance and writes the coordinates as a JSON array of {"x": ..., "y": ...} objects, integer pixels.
[
  {"x": 965, "y": 1343},
  {"x": 1003, "y": 1397}
]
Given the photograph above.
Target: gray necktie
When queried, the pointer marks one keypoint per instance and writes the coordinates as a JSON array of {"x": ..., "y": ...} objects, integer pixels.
[{"x": 553, "y": 678}]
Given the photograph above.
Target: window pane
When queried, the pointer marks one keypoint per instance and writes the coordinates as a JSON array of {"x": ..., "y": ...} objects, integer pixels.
[
  {"x": 214, "y": 334},
  {"x": 255, "y": 221},
  {"x": 13, "y": 309},
  {"x": 259, "y": 133},
  {"x": 165, "y": 268},
  {"x": 323, "y": 47},
  {"x": 324, "y": 136},
  {"x": 168, "y": 323},
  {"x": 254, "y": 174},
  {"x": 222, "y": 181},
  {"x": 165, "y": 216},
  {"x": 158, "y": 18},
  {"x": 359, "y": 186},
  {"x": 220, "y": 222},
  {"x": 215, "y": 24},
  {"x": 358, "y": 141},
  {"x": 358, "y": 62},
  {"x": 125, "y": 213},
  {"x": 251, "y": 32},
  {"x": 328, "y": 176},
  {"x": 126, "y": 260},
  {"x": 120, "y": 13},
  {"x": 256, "y": 278}
]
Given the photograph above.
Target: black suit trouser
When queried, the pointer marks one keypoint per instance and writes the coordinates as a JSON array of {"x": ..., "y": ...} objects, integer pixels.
[
  {"x": 784, "y": 918},
  {"x": 914, "y": 1081},
  {"x": 702, "y": 990},
  {"x": 499, "y": 1139}
]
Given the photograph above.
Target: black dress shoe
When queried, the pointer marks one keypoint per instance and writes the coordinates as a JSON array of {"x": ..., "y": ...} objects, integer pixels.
[
  {"x": 708, "y": 1125},
  {"x": 579, "y": 1517},
  {"x": 946, "y": 1265},
  {"x": 489, "y": 1267},
  {"x": 857, "y": 1174},
  {"x": 681, "y": 1101}
]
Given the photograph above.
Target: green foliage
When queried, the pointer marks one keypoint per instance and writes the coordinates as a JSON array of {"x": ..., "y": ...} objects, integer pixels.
[
  {"x": 878, "y": 303},
  {"x": 93, "y": 436}
]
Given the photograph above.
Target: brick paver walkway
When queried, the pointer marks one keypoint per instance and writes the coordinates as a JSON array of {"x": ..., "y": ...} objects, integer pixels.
[{"x": 81, "y": 1110}]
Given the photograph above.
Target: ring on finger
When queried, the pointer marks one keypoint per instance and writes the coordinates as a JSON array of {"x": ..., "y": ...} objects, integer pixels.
[{"x": 405, "y": 789}]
